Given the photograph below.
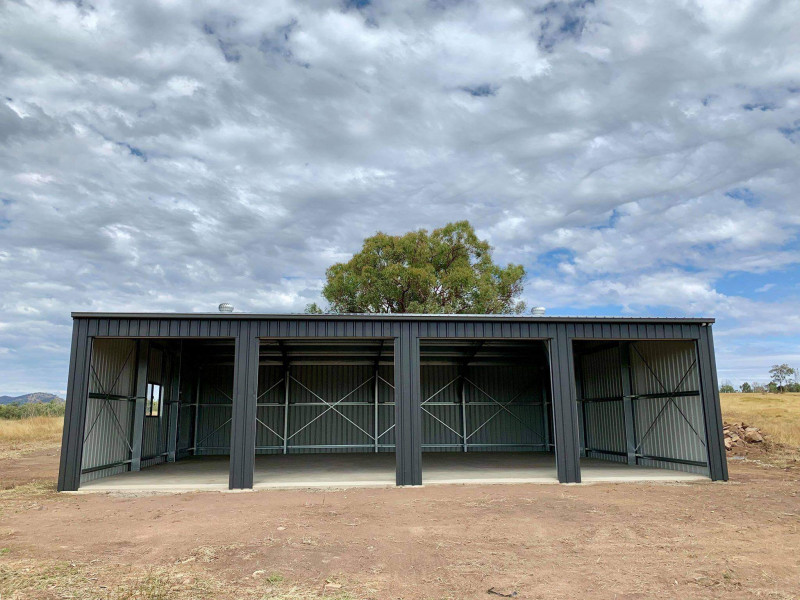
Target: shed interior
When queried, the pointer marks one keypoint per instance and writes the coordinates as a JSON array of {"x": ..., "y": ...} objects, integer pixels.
[
  {"x": 326, "y": 415},
  {"x": 640, "y": 404},
  {"x": 485, "y": 410}
]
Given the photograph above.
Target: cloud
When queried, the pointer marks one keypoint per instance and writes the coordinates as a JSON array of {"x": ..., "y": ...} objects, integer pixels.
[{"x": 172, "y": 156}]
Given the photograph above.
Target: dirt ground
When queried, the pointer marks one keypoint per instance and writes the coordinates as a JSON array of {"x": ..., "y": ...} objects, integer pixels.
[{"x": 697, "y": 540}]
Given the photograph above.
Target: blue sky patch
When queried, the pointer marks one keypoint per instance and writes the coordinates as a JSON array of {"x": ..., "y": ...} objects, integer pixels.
[
  {"x": 762, "y": 106},
  {"x": 481, "y": 91},
  {"x": 744, "y": 194},
  {"x": 555, "y": 257},
  {"x": 563, "y": 21},
  {"x": 134, "y": 150},
  {"x": 791, "y": 132}
]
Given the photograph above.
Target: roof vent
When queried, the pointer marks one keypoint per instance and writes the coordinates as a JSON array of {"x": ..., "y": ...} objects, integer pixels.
[
  {"x": 537, "y": 311},
  {"x": 226, "y": 307}
]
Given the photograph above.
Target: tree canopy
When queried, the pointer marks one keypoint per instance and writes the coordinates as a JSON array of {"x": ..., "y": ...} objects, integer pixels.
[
  {"x": 780, "y": 375},
  {"x": 448, "y": 270}
]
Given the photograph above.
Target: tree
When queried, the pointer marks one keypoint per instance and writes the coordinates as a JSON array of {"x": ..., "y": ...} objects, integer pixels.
[
  {"x": 780, "y": 375},
  {"x": 726, "y": 388},
  {"x": 746, "y": 389},
  {"x": 446, "y": 271}
]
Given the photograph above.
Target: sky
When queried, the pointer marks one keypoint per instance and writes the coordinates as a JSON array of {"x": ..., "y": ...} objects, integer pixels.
[{"x": 638, "y": 158}]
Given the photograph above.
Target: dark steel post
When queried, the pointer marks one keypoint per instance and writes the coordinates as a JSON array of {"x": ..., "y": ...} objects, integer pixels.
[
  {"x": 583, "y": 434},
  {"x": 245, "y": 393},
  {"x": 712, "y": 413},
  {"x": 565, "y": 410},
  {"x": 627, "y": 401},
  {"x": 408, "y": 414},
  {"x": 176, "y": 362},
  {"x": 69, "y": 473},
  {"x": 140, "y": 405}
]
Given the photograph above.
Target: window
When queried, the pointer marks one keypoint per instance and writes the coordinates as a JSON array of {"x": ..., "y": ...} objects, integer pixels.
[{"x": 154, "y": 400}]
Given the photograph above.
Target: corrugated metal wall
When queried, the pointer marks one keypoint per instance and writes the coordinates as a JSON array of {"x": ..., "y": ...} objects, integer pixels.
[
  {"x": 350, "y": 427},
  {"x": 603, "y": 419},
  {"x": 109, "y": 419},
  {"x": 519, "y": 426},
  {"x": 679, "y": 431},
  {"x": 665, "y": 427},
  {"x": 214, "y": 410},
  {"x": 154, "y": 432}
]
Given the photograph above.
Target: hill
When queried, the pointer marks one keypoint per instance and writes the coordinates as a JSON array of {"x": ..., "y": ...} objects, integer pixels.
[{"x": 28, "y": 398}]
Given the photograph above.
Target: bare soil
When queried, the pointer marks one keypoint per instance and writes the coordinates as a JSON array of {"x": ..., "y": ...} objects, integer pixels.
[{"x": 696, "y": 540}]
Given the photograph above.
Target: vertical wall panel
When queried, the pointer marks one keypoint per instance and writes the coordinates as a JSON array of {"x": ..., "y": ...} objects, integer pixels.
[
  {"x": 214, "y": 410},
  {"x": 108, "y": 420},
  {"x": 669, "y": 428},
  {"x": 604, "y": 423}
]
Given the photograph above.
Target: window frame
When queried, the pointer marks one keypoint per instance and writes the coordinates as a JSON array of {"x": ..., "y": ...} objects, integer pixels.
[{"x": 150, "y": 396}]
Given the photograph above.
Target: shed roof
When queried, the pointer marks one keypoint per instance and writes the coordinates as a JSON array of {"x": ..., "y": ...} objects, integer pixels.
[{"x": 390, "y": 316}]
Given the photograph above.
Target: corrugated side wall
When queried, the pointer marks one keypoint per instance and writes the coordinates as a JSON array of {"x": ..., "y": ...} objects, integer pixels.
[
  {"x": 109, "y": 420},
  {"x": 350, "y": 428},
  {"x": 520, "y": 426},
  {"x": 664, "y": 427},
  {"x": 311, "y": 422},
  {"x": 154, "y": 442},
  {"x": 679, "y": 431},
  {"x": 214, "y": 410},
  {"x": 603, "y": 421}
]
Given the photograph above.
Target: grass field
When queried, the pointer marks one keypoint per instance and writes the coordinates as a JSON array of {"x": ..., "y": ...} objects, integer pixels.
[
  {"x": 20, "y": 436},
  {"x": 776, "y": 414}
]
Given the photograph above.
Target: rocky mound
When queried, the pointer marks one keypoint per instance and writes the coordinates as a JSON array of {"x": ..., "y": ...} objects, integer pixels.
[{"x": 740, "y": 435}]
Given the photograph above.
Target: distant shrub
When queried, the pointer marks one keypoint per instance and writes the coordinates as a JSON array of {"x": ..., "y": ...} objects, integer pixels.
[{"x": 54, "y": 408}]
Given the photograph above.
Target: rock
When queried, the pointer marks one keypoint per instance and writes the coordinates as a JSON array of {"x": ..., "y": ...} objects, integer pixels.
[
  {"x": 728, "y": 444},
  {"x": 752, "y": 436}
]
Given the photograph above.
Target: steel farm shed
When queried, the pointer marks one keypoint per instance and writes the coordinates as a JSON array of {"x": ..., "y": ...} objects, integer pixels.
[{"x": 218, "y": 401}]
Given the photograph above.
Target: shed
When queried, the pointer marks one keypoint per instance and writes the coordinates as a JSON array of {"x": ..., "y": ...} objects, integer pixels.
[{"x": 218, "y": 401}]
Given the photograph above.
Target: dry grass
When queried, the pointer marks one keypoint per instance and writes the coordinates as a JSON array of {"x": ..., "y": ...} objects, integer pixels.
[
  {"x": 778, "y": 415},
  {"x": 19, "y": 436},
  {"x": 25, "y": 578}
]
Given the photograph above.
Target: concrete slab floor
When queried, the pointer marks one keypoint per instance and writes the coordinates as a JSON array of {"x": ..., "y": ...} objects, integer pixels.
[{"x": 365, "y": 469}]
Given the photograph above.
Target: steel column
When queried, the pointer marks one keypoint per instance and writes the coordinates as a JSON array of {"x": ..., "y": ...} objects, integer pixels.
[
  {"x": 286, "y": 383},
  {"x": 712, "y": 414},
  {"x": 196, "y": 411},
  {"x": 375, "y": 430},
  {"x": 546, "y": 416},
  {"x": 408, "y": 411},
  {"x": 565, "y": 412},
  {"x": 463, "y": 413},
  {"x": 139, "y": 406},
  {"x": 245, "y": 394},
  {"x": 69, "y": 473},
  {"x": 584, "y": 434},
  {"x": 627, "y": 401},
  {"x": 174, "y": 404}
]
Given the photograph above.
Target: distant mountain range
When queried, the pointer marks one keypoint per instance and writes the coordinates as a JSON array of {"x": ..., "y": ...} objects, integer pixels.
[{"x": 34, "y": 397}]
